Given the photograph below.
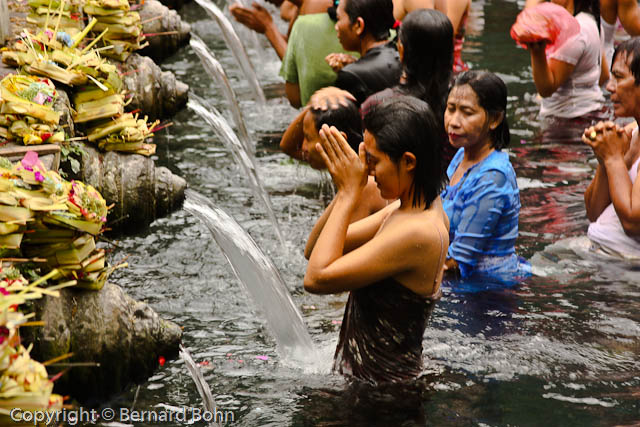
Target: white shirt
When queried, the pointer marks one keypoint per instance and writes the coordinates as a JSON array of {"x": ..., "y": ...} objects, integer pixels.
[{"x": 580, "y": 94}]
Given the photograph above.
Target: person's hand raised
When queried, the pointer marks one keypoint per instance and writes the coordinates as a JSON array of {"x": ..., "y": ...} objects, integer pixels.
[
  {"x": 348, "y": 170},
  {"x": 258, "y": 18}
]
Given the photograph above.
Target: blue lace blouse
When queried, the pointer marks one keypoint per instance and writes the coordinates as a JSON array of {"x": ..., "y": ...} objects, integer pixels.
[{"x": 483, "y": 209}]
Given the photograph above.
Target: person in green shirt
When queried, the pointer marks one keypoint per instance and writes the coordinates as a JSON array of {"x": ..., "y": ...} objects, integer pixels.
[{"x": 312, "y": 38}]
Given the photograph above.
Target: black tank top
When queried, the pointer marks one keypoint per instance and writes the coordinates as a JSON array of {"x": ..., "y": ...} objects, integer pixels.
[{"x": 381, "y": 335}]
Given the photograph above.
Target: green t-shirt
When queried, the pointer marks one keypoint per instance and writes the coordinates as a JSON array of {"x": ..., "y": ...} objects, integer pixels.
[{"x": 312, "y": 38}]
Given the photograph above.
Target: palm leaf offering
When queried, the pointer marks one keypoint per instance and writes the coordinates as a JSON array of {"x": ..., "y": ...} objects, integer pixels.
[
  {"x": 125, "y": 133},
  {"x": 60, "y": 16},
  {"x": 123, "y": 27},
  {"x": 26, "y": 110},
  {"x": 24, "y": 382},
  {"x": 47, "y": 217}
]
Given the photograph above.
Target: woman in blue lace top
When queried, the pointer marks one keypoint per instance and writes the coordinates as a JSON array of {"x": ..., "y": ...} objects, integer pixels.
[{"x": 482, "y": 199}]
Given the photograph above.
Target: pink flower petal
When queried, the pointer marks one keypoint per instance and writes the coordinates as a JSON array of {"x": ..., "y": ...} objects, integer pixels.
[
  {"x": 30, "y": 160},
  {"x": 262, "y": 357}
]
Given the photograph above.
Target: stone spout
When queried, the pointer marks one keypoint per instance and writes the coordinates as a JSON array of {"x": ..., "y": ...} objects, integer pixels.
[
  {"x": 158, "y": 20},
  {"x": 155, "y": 92},
  {"x": 140, "y": 191},
  {"x": 124, "y": 337}
]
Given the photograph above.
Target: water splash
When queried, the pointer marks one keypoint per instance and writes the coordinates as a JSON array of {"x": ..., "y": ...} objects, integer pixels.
[
  {"x": 236, "y": 47},
  {"x": 201, "y": 384},
  {"x": 216, "y": 71},
  {"x": 243, "y": 156},
  {"x": 260, "y": 279}
]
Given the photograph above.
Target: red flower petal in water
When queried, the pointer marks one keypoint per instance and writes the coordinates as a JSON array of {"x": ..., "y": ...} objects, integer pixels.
[{"x": 161, "y": 360}]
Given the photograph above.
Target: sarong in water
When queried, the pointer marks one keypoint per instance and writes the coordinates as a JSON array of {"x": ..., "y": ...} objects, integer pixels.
[{"x": 381, "y": 335}]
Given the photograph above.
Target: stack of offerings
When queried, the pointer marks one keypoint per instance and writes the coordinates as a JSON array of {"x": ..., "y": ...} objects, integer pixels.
[
  {"x": 43, "y": 54},
  {"x": 24, "y": 383},
  {"x": 123, "y": 26},
  {"x": 50, "y": 218},
  {"x": 102, "y": 109},
  {"x": 63, "y": 16},
  {"x": 26, "y": 112}
]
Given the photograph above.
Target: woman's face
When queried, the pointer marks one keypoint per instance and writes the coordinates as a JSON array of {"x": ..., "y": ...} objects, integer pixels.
[
  {"x": 385, "y": 172},
  {"x": 347, "y": 34},
  {"x": 466, "y": 122},
  {"x": 311, "y": 137}
]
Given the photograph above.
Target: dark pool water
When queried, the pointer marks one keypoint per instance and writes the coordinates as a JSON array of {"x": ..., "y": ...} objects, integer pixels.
[{"x": 561, "y": 349}]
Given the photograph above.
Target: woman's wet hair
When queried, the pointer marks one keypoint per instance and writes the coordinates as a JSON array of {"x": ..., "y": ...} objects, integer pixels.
[
  {"x": 492, "y": 97},
  {"x": 631, "y": 49},
  {"x": 427, "y": 39},
  {"x": 588, "y": 6},
  {"x": 376, "y": 14},
  {"x": 344, "y": 118},
  {"x": 403, "y": 124}
]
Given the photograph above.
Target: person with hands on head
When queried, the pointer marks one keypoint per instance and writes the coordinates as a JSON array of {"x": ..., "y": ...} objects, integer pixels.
[
  {"x": 482, "y": 199},
  {"x": 612, "y": 199},
  {"x": 569, "y": 80},
  {"x": 300, "y": 139},
  {"x": 392, "y": 261}
]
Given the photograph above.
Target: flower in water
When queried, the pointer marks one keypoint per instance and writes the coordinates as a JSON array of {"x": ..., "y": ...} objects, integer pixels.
[
  {"x": 262, "y": 357},
  {"x": 161, "y": 360}
]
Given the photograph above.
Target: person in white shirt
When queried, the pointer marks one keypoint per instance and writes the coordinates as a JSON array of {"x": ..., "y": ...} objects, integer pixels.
[{"x": 569, "y": 80}]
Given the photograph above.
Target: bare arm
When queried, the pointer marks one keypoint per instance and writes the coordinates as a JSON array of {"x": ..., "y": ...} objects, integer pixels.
[
  {"x": 604, "y": 70},
  {"x": 548, "y": 76},
  {"x": 360, "y": 230},
  {"x": 456, "y": 9},
  {"x": 277, "y": 40},
  {"x": 292, "y": 90},
  {"x": 260, "y": 21},
  {"x": 596, "y": 198},
  {"x": 629, "y": 15},
  {"x": 291, "y": 142}
]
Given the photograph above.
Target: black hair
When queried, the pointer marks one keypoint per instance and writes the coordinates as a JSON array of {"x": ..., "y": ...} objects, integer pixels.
[
  {"x": 376, "y": 14},
  {"x": 333, "y": 10},
  {"x": 403, "y": 124},
  {"x": 492, "y": 96},
  {"x": 630, "y": 47},
  {"x": 588, "y": 6},
  {"x": 344, "y": 118},
  {"x": 427, "y": 39}
]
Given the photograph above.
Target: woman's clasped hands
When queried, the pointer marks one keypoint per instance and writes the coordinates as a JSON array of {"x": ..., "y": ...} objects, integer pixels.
[
  {"x": 608, "y": 140},
  {"x": 348, "y": 170}
]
